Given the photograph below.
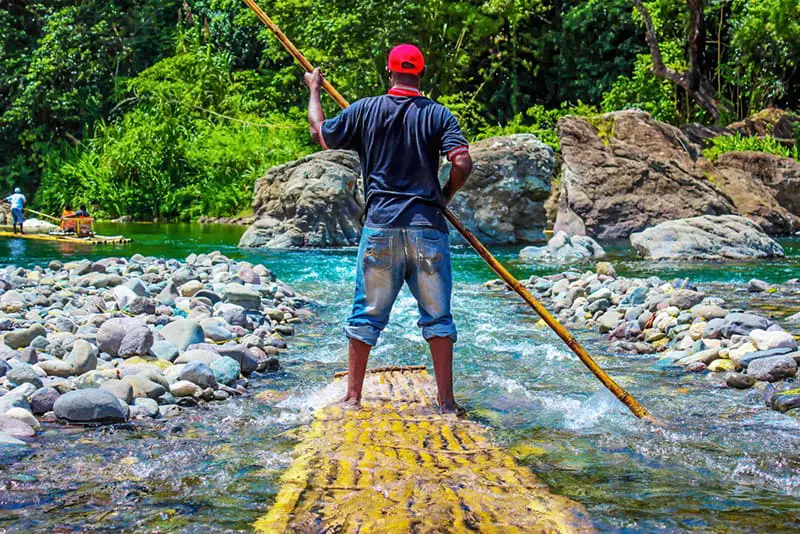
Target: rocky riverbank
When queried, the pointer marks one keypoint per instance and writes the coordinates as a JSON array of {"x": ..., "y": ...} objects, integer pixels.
[
  {"x": 686, "y": 327},
  {"x": 118, "y": 339}
]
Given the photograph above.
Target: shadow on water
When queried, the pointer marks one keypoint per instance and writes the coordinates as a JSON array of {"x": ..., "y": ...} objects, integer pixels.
[{"x": 723, "y": 462}]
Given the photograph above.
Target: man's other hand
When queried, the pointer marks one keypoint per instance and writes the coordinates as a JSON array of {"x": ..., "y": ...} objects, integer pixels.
[{"x": 314, "y": 79}]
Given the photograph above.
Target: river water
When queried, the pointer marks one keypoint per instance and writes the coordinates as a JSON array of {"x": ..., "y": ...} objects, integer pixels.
[{"x": 723, "y": 461}]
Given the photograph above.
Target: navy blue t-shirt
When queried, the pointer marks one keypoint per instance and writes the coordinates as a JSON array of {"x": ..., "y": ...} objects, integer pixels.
[{"x": 399, "y": 140}]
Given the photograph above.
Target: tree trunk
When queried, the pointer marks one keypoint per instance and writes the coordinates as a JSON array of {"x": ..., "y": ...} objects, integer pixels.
[{"x": 693, "y": 81}]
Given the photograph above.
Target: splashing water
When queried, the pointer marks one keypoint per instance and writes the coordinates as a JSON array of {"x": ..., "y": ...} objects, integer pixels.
[{"x": 723, "y": 461}]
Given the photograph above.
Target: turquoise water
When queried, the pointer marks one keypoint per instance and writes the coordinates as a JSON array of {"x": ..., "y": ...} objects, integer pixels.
[{"x": 723, "y": 461}]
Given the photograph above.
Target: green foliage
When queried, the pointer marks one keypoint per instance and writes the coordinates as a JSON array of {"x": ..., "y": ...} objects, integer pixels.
[
  {"x": 186, "y": 148},
  {"x": 171, "y": 108},
  {"x": 642, "y": 90},
  {"x": 541, "y": 122},
  {"x": 738, "y": 143}
]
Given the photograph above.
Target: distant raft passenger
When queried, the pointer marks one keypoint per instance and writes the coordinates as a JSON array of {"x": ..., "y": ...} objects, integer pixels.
[
  {"x": 65, "y": 214},
  {"x": 79, "y": 222}
]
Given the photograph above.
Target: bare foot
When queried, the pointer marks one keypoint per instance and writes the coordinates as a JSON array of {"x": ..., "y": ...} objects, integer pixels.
[
  {"x": 452, "y": 407},
  {"x": 348, "y": 404}
]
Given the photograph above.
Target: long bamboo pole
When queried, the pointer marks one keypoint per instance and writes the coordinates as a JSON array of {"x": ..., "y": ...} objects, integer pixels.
[
  {"x": 637, "y": 409},
  {"x": 42, "y": 214}
]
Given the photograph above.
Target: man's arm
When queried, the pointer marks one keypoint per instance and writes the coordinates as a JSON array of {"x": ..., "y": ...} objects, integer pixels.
[
  {"x": 460, "y": 169},
  {"x": 315, "y": 114}
]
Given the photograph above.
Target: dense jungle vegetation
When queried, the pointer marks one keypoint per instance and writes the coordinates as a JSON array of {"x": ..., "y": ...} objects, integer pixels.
[{"x": 173, "y": 108}]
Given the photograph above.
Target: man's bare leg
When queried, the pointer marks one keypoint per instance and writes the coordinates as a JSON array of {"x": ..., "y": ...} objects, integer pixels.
[
  {"x": 442, "y": 354},
  {"x": 358, "y": 355}
]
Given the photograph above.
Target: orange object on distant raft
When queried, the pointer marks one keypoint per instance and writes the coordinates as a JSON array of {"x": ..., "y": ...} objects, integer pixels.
[{"x": 81, "y": 226}]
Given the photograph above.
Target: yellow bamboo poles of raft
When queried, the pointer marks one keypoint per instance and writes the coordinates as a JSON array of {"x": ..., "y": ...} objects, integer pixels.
[
  {"x": 398, "y": 466},
  {"x": 637, "y": 409}
]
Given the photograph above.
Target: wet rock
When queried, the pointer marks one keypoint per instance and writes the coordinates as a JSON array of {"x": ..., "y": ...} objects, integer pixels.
[
  {"x": 708, "y": 312},
  {"x": 226, "y": 370},
  {"x": 747, "y": 358},
  {"x": 764, "y": 340},
  {"x": 90, "y": 406},
  {"x": 216, "y": 329},
  {"x": 782, "y": 401},
  {"x": 28, "y": 355},
  {"x": 199, "y": 355},
  {"x": 56, "y": 367},
  {"x": 22, "y": 338},
  {"x": 169, "y": 411},
  {"x": 6, "y": 439},
  {"x": 148, "y": 406},
  {"x": 23, "y": 373},
  {"x": 168, "y": 295},
  {"x": 605, "y": 268},
  {"x": 743, "y": 324},
  {"x": 684, "y": 299},
  {"x": 609, "y": 321},
  {"x": 773, "y": 368},
  {"x": 190, "y": 288},
  {"x": 243, "y": 296},
  {"x": 739, "y": 381},
  {"x": 722, "y": 365},
  {"x": 144, "y": 387},
  {"x": 164, "y": 350},
  {"x": 696, "y": 367},
  {"x": 142, "y": 306},
  {"x": 726, "y": 237},
  {"x": 185, "y": 388},
  {"x": 43, "y": 399},
  {"x": 15, "y": 428},
  {"x": 112, "y": 332},
  {"x": 757, "y": 286},
  {"x": 24, "y": 416},
  {"x": 137, "y": 342},
  {"x": 249, "y": 276},
  {"x": 83, "y": 357},
  {"x": 563, "y": 248},
  {"x": 120, "y": 389},
  {"x": 200, "y": 374},
  {"x": 183, "y": 332}
]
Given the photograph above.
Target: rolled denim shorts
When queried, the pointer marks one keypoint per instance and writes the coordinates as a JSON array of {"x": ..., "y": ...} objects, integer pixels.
[
  {"x": 388, "y": 257},
  {"x": 16, "y": 215}
]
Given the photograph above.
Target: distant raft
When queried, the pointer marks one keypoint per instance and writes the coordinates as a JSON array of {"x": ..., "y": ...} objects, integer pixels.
[
  {"x": 397, "y": 465},
  {"x": 67, "y": 238}
]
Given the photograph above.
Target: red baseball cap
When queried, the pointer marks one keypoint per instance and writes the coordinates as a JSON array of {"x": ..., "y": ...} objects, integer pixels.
[{"x": 406, "y": 58}]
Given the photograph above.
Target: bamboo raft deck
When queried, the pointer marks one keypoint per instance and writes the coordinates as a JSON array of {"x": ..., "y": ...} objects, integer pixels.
[
  {"x": 91, "y": 240},
  {"x": 397, "y": 465}
]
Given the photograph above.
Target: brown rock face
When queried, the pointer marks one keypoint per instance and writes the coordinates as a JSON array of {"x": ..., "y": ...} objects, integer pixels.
[
  {"x": 315, "y": 201},
  {"x": 503, "y": 200},
  {"x": 642, "y": 172},
  {"x": 763, "y": 187}
]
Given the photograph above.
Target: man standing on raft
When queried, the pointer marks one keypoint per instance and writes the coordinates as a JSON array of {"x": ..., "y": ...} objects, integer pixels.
[{"x": 399, "y": 138}]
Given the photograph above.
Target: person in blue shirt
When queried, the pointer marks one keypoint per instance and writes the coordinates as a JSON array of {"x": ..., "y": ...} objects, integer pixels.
[
  {"x": 399, "y": 138},
  {"x": 17, "y": 201}
]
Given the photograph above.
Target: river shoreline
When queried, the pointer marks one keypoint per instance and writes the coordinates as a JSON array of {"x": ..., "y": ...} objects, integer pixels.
[
  {"x": 115, "y": 340},
  {"x": 218, "y": 465}
]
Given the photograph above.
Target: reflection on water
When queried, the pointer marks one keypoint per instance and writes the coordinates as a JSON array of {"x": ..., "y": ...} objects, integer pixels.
[{"x": 722, "y": 462}]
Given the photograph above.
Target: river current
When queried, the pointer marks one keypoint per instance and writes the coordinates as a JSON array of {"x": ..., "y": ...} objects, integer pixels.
[{"x": 723, "y": 461}]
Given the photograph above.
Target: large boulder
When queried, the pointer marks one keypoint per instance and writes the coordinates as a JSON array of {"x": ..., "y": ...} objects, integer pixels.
[
  {"x": 763, "y": 187},
  {"x": 564, "y": 249},
  {"x": 725, "y": 237},
  {"x": 93, "y": 406},
  {"x": 616, "y": 166},
  {"x": 503, "y": 200},
  {"x": 315, "y": 201}
]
